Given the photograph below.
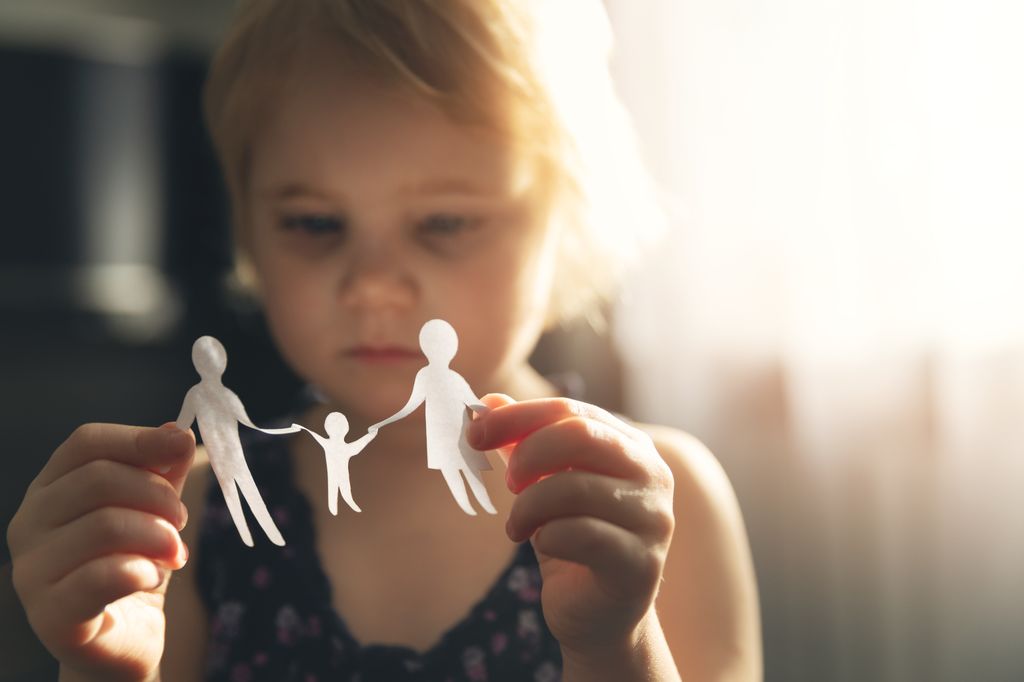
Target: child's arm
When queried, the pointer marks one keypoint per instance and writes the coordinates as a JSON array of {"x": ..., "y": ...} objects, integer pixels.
[
  {"x": 709, "y": 568},
  {"x": 596, "y": 496},
  {"x": 98, "y": 530}
]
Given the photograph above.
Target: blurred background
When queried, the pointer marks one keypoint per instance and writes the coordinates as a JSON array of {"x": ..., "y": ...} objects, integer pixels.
[{"x": 836, "y": 310}]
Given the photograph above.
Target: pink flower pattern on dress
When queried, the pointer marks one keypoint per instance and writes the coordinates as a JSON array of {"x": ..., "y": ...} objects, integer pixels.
[
  {"x": 261, "y": 577},
  {"x": 547, "y": 672},
  {"x": 288, "y": 625},
  {"x": 241, "y": 673},
  {"x": 498, "y": 642},
  {"x": 525, "y": 583},
  {"x": 474, "y": 662}
]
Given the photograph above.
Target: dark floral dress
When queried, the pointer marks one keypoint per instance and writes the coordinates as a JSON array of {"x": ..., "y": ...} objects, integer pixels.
[{"x": 270, "y": 613}]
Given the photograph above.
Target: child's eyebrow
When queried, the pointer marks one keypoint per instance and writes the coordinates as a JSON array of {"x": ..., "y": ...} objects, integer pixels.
[
  {"x": 443, "y": 186},
  {"x": 290, "y": 191},
  {"x": 451, "y": 186}
]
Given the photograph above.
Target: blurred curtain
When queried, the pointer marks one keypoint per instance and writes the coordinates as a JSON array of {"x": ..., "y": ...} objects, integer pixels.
[{"x": 837, "y": 311}]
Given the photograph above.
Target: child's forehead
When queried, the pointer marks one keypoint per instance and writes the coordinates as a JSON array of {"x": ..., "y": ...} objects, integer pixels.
[
  {"x": 347, "y": 127},
  {"x": 324, "y": 82}
]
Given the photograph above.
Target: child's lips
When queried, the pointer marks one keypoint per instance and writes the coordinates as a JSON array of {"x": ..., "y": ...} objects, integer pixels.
[{"x": 383, "y": 354}]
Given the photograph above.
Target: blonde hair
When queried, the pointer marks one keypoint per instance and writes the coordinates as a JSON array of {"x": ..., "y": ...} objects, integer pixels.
[{"x": 535, "y": 71}]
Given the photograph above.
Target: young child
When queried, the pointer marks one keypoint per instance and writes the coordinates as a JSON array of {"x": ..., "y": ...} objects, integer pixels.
[{"x": 391, "y": 162}]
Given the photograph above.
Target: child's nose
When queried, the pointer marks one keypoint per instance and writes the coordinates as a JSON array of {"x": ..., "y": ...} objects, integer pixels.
[{"x": 376, "y": 275}]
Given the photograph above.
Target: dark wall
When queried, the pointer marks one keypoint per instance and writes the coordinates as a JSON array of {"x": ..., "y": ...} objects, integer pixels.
[{"x": 62, "y": 364}]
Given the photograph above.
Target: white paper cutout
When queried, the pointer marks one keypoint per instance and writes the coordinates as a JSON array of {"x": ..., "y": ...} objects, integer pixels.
[
  {"x": 218, "y": 412},
  {"x": 337, "y": 453},
  {"x": 447, "y": 395}
]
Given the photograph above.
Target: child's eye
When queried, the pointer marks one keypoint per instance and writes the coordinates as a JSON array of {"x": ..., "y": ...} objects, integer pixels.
[
  {"x": 314, "y": 224},
  {"x": 446, "y": 224}
]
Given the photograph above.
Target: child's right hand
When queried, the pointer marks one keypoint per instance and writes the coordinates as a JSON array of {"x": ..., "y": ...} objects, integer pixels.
[{"x": 92, "y": 545}]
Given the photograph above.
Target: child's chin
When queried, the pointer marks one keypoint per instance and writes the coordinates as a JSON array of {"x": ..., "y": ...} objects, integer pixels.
[{"x": 373, "y": 402}]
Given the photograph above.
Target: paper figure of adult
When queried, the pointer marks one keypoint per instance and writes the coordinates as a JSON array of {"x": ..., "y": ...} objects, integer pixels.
[
  {"x": 218, "y": 412},
  {"x": 447, "y": 395},
  {"x": 338, "y": 453}
]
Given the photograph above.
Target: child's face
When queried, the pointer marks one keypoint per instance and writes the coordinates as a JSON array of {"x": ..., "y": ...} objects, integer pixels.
[{"x": 369, "y": 213}]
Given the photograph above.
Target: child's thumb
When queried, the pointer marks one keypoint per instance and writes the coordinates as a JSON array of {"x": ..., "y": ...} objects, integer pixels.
[
  {"x": 477, "y": 429},
  {"x": 496, "y": 400},
  {"x": 177, "y": 471}
]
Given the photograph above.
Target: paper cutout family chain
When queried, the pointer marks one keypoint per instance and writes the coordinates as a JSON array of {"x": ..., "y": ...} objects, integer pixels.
[{"x": 444, "y": 392}]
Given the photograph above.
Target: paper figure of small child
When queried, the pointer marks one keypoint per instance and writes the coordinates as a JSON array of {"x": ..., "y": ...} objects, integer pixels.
[
  {"x": 218, "y": 412},
  {"x": 338, "y": 454},
  {"x": 447, "y": 395}
]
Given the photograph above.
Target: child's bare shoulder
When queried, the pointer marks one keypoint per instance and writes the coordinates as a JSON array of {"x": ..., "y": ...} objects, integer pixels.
[
  {"x": 708, "y": 604},
  {"x": 705, "y": 505},
  {"x": 695, "y": 468}
]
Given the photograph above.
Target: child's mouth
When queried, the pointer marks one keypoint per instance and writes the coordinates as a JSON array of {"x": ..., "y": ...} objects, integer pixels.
[{"x": 383, "y": 354}]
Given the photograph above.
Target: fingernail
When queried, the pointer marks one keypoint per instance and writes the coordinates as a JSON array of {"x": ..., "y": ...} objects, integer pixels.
[
  {"x": 182, "y": 515},
  {"x": 175, "y": 436},
  {"x": 508, "y": 528},
  {"x": 169, "y": 432},
  {"x": 182, "y": 554}
]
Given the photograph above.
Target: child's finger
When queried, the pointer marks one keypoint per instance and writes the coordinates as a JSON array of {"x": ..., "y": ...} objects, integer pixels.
[
  {"x": 623, "y": 566},
  {"x": 489, "y": 402},
  {"x": 177, "y": 467},
  {"x": 513, "y": 422},
  {"x": 150, "y": 448},
  {"x": 579, "y": 443},
  {"x": 105, "y": 483},
  {"x": 84, "y": 593},
  {"x": 103, "y": 532},
  {"x": 643, "y": 511},
  {"x": 495, "y": 400}
]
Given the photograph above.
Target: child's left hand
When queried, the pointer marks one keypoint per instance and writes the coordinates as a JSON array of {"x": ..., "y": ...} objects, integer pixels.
[{"x": 596, "y": 499}]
